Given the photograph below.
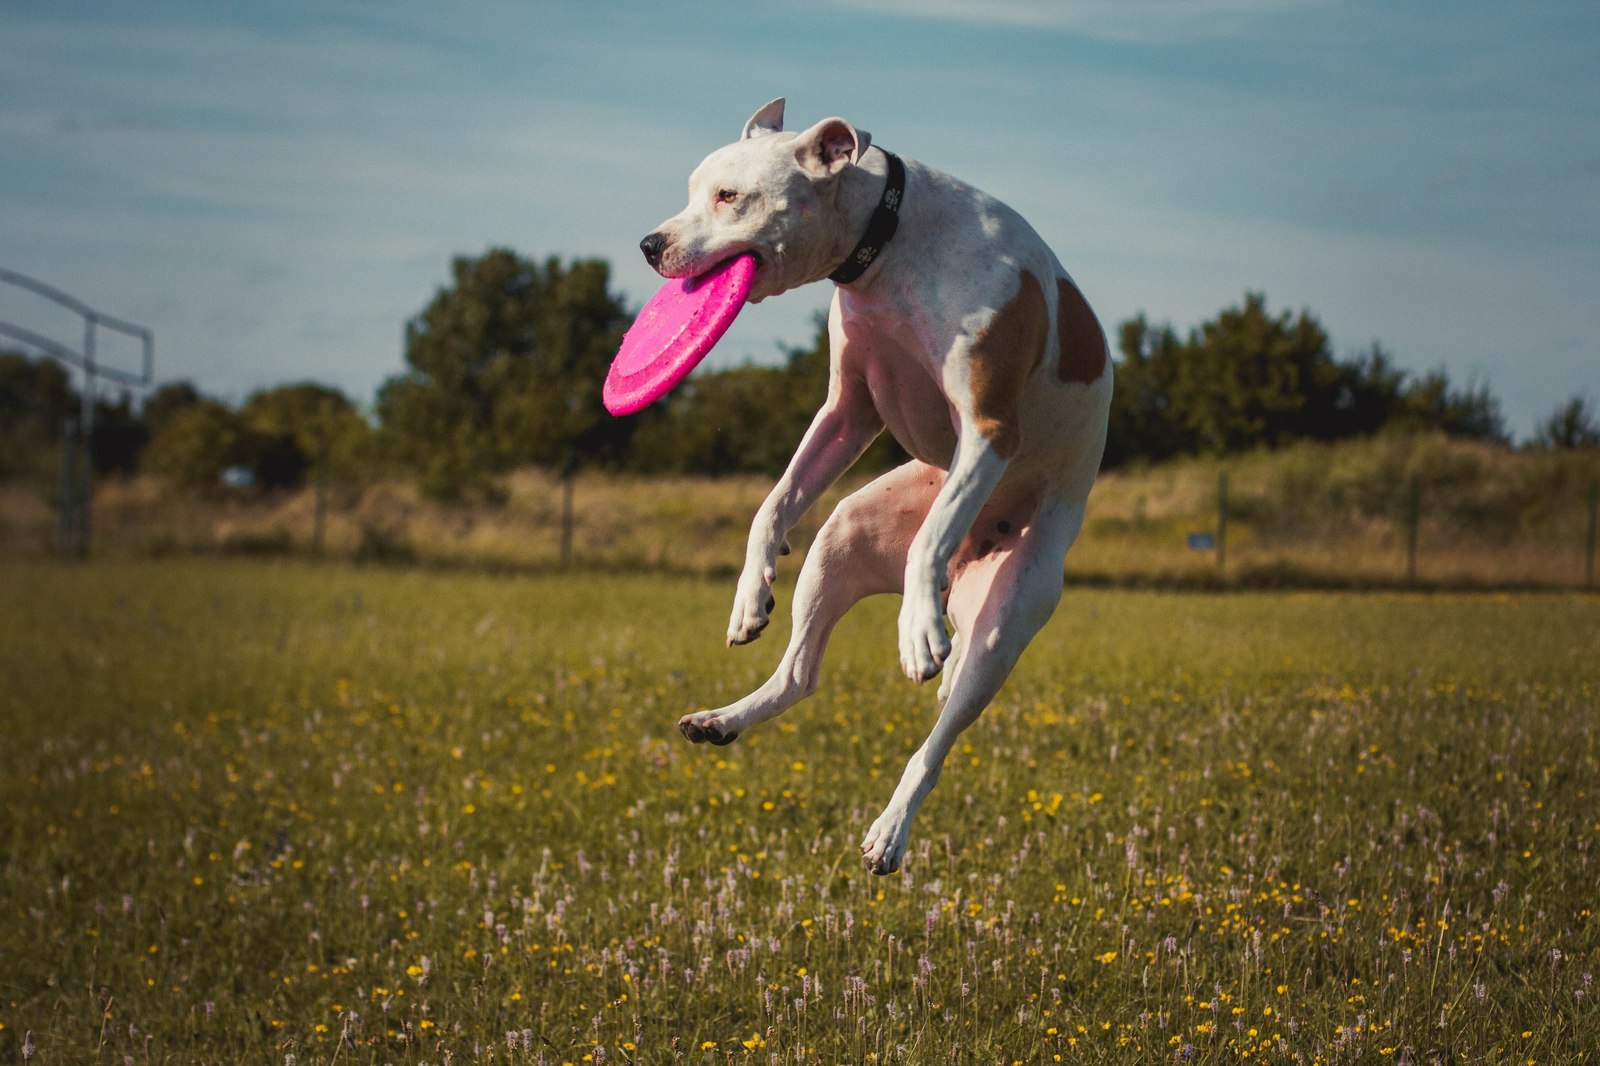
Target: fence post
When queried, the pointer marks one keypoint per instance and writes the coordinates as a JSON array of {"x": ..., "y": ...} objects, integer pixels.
[
  {"x": 1413, "y": 513},
  {"x": 67, "y": 490},
  {"x": 1222, "y": 524},
  {"x": 86, "y": 440},
  {"x": 1594, "y": 512}
]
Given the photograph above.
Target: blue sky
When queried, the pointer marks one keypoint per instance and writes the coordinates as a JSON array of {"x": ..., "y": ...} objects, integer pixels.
[{"x": 275, "y": 188}]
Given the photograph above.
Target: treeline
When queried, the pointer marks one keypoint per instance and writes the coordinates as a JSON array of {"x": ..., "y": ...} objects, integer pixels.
[
  {"x": 504, "y": 368},
  {"x": 1249, "y": 378}
]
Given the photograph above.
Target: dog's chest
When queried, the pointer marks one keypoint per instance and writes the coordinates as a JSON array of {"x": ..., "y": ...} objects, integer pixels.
[{"x": 912, "y": 405}]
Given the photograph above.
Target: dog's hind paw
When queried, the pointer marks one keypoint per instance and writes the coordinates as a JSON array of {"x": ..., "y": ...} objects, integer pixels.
[{"x": 703, "y": 728}]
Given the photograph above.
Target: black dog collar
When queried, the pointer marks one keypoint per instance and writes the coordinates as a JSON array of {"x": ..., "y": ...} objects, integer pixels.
[{"x": 885, "y": 220}]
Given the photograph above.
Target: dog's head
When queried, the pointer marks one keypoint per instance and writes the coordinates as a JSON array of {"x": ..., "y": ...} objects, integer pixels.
[{"x": 770, "y": 193}]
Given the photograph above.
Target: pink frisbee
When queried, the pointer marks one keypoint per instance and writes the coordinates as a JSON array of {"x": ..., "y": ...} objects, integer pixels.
[{"x": 676, "y": 330}]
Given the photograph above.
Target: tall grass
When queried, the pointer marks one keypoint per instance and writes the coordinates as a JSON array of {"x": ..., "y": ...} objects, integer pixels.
[
  {"x": 1340, "y": 514},
  {"x": 1308, "y": 515},
  {"x": 274, "y": 812}
]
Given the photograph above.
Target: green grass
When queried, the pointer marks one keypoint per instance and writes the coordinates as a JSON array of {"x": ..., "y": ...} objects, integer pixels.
[{"x": 261, "y": 810}]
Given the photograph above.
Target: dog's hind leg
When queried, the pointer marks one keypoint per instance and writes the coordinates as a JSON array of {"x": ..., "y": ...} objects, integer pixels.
[
  {"x": 860, "y": 551},
  {"x": 998, "y": 600},
  {"x": 952, "y": 664}
]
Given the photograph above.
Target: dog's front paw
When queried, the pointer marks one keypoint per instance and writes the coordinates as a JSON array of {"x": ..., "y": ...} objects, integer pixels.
[
  {"x": 884, "y": 846},
  {"x": 752, "y": 609},
  {"x": 924, "y": 644},
  {"x": 705, "y": 727}
]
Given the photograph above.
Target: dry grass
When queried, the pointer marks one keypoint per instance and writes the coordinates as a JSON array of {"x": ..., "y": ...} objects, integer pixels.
[
  {"x": 1338, "y": 514},
  {"x": 1307, "y": 515}
]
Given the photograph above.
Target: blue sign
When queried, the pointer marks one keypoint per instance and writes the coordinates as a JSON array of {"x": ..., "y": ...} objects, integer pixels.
[
  {"x": 1203, "y": 542},
  {"x": 238, "y": 477}
]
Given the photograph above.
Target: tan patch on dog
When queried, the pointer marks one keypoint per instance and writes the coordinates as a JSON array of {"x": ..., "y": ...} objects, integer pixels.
[
  {"x": 1004, "y": 354},
  {"x": 1083, "y": 345}
]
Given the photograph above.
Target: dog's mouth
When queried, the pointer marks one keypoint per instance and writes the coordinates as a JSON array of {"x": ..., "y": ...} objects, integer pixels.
[
  {"x": 693, "y": 272},
  {"x": 702, "y": 267},
  {"x": 758, "y": 280},
  {"x": 724, "y": 260},
  {"x": 701, "y": 275}
]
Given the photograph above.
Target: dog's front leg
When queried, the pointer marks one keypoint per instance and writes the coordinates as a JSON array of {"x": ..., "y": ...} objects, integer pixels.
[
  {"x": 974, "y": 473},
  {"x": 839, "y": 433}
]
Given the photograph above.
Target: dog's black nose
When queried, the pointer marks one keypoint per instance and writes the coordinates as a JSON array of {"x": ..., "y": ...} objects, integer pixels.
[{"x": 652, "y": 247}]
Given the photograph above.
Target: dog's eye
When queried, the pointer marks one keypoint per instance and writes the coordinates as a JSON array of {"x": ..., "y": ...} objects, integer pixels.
[{"x": 726, "y": 196}]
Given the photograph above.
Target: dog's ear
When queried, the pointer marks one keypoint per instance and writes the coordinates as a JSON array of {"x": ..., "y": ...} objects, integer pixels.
[
  {"x": 829, "y": 147},
  {"x": 768, "y": 120}
]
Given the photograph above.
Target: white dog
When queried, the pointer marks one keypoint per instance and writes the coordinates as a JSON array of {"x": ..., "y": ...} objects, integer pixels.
[{"x": 954, "y": 326}]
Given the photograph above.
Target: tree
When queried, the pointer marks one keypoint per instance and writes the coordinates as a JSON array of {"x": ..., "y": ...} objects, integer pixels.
[
  {"x": 279, "y": 435},
  {"x": 1248, "y": 378},
  {"x": 1370, "y": 388},
  {"x": 1143, "y": 420},
  {"x": 1432, "y": 403},
  {"x": 1572, "y": 425},
  {"x": 120, "y": 435},
  {"x": 506, "y": 367},
  {"x": 166, "y": 401},
  {"x": 35, "y": 396},
  {"x": 196, "y": 444},
  {"x": 37, "y": 399},
  {"x": 321, "y": 424},
  {"x": 1242, "y": 379}
]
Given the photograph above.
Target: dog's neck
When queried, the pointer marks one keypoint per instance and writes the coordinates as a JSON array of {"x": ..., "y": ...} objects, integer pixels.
[
  {"x": 881, "y": 224},
  {"x": 861, "y": 189}
]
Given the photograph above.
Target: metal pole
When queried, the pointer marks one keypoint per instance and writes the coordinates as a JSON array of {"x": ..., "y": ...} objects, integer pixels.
[
  {"x": 1222, "y": 524},
  {"x": 1594, "y": 512},
  {"x": 1413, "y": 513},
  {"x": 77, "y": 443},
  {"x": 86, "y": 442}
]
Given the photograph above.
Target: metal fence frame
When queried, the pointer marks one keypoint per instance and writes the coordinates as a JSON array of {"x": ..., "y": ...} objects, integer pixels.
[{"x": 77, "y": 461}]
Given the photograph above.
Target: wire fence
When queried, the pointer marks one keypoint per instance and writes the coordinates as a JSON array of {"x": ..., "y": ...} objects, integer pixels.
[
  {"x": 1382, "y": 513},
  {"x": 1529, "y": 524},
  {"x": 1580, "y": 575}
]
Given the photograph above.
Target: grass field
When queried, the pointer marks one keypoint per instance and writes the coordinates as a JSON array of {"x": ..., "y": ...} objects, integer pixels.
[{"x": 263, "y": 812}]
